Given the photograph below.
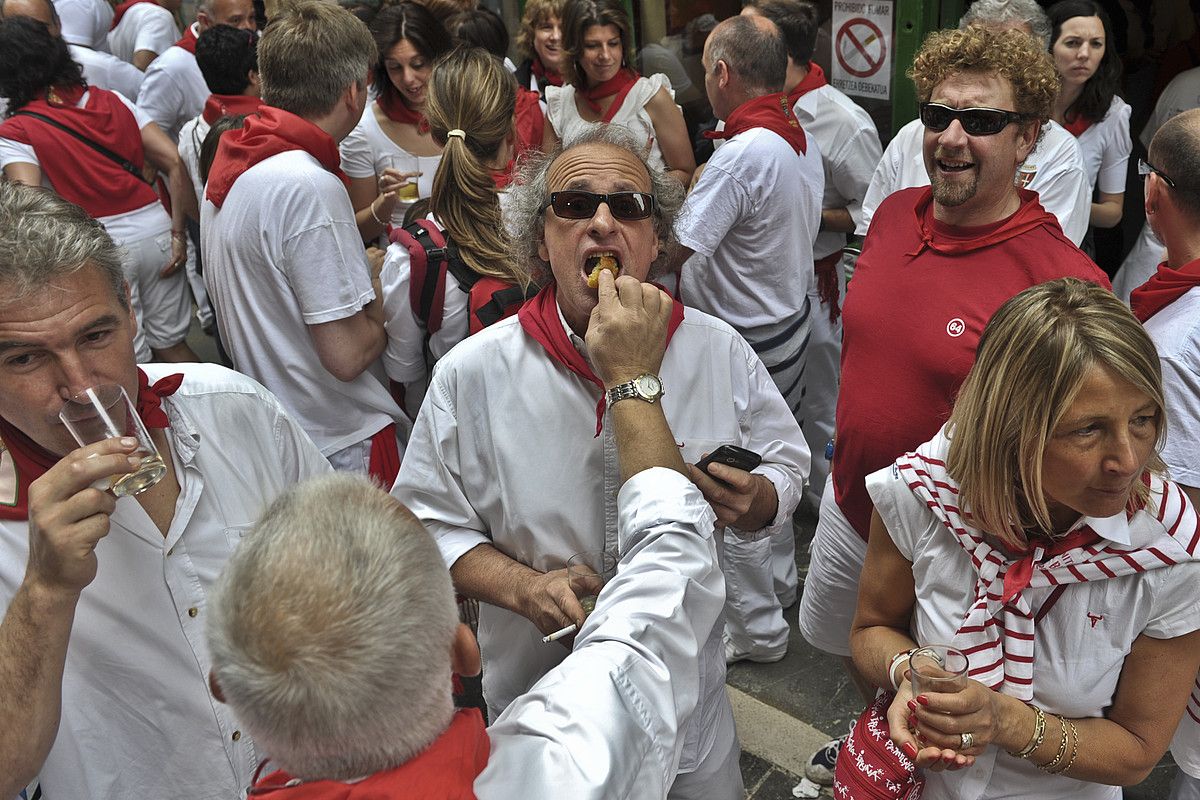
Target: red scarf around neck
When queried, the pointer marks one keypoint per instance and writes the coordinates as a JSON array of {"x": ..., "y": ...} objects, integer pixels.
[
  {"x": 617, "y": 87},
  {"x": 544, "y": 75},
  {"x": 815, "y": 79},
  {"x": 270, "y": 132},
  {"x": 29, "y": 460},
  {"x": 1164, "y": 287},
  {"x": 225, "y": 105},
  {"x": 394, "y": 108},
  {"x": 188, "y": 40},
  {"x": 79, "y": 174},
  {"x": 531, "y": 121},
  {"x": 770, "y": 111},
  {"x": 539, "y": 317},
  {"x": 1077, "y": 125},
  {"x": 122, "y": 8}
]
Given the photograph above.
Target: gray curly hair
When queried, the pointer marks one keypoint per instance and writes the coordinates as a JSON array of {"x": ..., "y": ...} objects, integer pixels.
[
  {"x": 531, "y": 191},
  {"x": 999, "y": 12}
]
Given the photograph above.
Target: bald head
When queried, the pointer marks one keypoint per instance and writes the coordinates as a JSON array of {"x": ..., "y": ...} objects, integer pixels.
[
  {"x": 1175, "y": 151},
  {"x": 41, "y": 10},
  {"x": 744, "y": 57}
]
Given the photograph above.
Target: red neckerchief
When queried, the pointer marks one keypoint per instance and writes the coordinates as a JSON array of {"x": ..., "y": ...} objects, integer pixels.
[
  {"x": 268, "y": 133},
  {"x": 826, "y": 270},
  {"x": 504, "y": 177},
  {"x": 544, "y": 75},
  {"x": 1078, "y": 125},
  {"x": 616, "y": 87},
  {"x": 539, "y": 317},
  {"x": 121, "y": 9},
  {"x": 30, "y": 460},
  {"x": 445, "y": 770},
  {"x": 79, "y": 174},
  {"x": 1019, "y": 573},
  {"x": 224, "y": 105},
  {"x": 815, "y": 79},
  {"x": 770, "y": 111},
  {"x": 188, "y": 40},
  {"x": 394, "y": 108},
  {"x": 1164, "y": 287},
  {"x": 531, "y": 121},
  {"x": 952, "y": 239}
]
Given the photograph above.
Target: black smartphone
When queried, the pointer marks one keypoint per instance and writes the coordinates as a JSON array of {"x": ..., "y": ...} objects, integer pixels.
[{"x": 732, "y": 456}]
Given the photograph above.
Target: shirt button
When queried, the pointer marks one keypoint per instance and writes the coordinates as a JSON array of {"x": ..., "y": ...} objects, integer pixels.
[
  {"x": 171, "y": 552},
  {"x": 237, "y": 735},
  {"x": 193, "y": 611}
]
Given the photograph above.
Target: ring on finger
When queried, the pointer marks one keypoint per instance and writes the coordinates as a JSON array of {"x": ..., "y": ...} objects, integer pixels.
[{"x": 967, "y": 740}]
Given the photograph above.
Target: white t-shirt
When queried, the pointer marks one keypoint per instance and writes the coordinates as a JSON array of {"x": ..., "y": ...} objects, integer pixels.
[
  {"x": 564, "y": 116},
  {"x": 191, "y": 137},
  {"x": 85, "y": 22},
  {"x": 504, "y": 429},
  {"x": 281, "y": 254},
  {"x": 106, "y": 71},
  {"x": 1077, "y": 664},
  {"x": 368, "y": 151},
  {"x": 1105, "y": 147},
  {"x": 1055, "y": 170},
  {"x": 145, "y": 26},
  {"x": 1175, "y": 330},
  {"x": 751, "y": 220},
  {"x": 138, "y": 719},
  {"x": 149, "y": 220},
  {"x": 850, "y": 150},
  {"x": 1181, "y": 94},
  {"x": 173, "y": 90}
]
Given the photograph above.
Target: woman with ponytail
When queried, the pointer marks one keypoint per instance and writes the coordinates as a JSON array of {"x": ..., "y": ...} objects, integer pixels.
[
  {"x": 453, "y": 273},
  {"x": 390, "y": 156}
]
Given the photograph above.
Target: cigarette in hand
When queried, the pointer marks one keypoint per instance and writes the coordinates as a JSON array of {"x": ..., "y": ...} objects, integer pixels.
[{"x": 560, "y": 633}]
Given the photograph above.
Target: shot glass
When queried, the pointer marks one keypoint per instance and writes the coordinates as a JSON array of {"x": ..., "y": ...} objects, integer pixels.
[
  {"x": 106, "y": 412},
  {"x": 938, "y": 668},
  {"x": 588, "y": 572}
]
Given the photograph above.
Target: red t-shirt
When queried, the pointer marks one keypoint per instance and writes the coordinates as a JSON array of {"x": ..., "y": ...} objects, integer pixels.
[{"x": 921, "y": 295}]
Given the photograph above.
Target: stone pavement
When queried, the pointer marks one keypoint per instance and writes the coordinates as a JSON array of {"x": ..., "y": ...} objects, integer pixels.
[{"x": 788, "y": 709}]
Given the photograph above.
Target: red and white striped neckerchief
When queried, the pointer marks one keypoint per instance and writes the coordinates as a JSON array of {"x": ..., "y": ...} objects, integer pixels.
[{"x": 997, "y": 636}]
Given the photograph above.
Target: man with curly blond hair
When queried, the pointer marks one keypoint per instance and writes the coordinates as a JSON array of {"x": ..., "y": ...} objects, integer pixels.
[
  {"x": 1054, "y": 168},
  {"x": 938, "y": 261}
]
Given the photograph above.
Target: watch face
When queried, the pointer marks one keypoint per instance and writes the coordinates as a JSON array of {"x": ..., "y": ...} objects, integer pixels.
[{"x": 648, "y": 385}]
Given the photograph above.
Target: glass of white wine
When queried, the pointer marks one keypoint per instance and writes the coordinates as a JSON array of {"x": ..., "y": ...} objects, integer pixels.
[
  {"x": 106, "y": 412},
  {"x": 588, "y": 572}
]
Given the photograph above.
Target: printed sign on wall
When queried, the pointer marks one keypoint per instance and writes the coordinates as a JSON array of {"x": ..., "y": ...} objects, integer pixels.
[{"x": 862, "y": 47}]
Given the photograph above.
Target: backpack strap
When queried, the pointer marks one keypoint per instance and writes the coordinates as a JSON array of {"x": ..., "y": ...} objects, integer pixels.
[
  {"x": 493, "y": 300},
  {"x": 427, "y": 256}
]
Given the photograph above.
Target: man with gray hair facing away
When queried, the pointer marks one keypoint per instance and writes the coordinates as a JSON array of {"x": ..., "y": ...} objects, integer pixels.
[
  {"x": 1054, "y": 169},
  {"x": 512, "y": 465},
  {"x": 749, "y": 226},
  {"x": 103, "y": 665},
  {"x": 335, "y": 634},
  {"x": 174, "y": 90},
  {"x": 298, "y": 306}
]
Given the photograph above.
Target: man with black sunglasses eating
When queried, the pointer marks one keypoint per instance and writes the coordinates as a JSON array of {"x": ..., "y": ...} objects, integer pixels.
[
  {"x": 512, "y": 465},
  {"x": 938, "y": 261}
]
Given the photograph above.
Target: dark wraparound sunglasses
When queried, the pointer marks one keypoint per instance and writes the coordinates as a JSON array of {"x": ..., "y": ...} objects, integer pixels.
[
  {"x": 975, "y": 121},
  {"x": 1145, "y": 168},
  {"x": 575, "y": 204}
]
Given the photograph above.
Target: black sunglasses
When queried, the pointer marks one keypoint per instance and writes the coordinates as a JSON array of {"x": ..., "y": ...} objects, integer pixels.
[
  {"x": 577, "y": 204},
  {"x": 975, "y": 121},
  {"x": 1145, "y": 168}
]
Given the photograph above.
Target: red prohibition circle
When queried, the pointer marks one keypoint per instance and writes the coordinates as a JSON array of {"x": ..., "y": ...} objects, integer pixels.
[{"x": 846, "y": 33}]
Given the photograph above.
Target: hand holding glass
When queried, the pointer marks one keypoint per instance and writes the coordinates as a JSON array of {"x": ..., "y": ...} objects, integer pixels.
[
  {"x": 587, "y": 574},
  {"x": 106, "y": 412},
  {"x": 937, "y": 668}
]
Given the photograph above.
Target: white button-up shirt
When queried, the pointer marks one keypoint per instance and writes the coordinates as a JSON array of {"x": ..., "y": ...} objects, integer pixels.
[{"x": 137, "y": 717}]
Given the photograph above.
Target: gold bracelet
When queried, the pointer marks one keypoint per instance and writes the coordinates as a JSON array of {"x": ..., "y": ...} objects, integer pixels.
[
  {"x": 375, "y": 217},
  {"x": 1039, "y": 734},
  {"x": 1074, "y": 748},
  {"x": 1062, "y": 748}
]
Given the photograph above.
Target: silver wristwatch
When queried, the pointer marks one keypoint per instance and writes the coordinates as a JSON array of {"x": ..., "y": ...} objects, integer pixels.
[{"x": 646, "y": 387}]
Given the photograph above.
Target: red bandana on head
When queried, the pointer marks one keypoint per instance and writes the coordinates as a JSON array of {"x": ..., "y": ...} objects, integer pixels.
[
  {"x": 394, "y": 108},
  {"x": 1164, "y": 287},
  {"x": 539, "y": 318},
  {"x": 815, "y": 79},
  {"x": 544, "y": 75},
  {"x": 270, "y": 132},
  {"x": 770, "y": 111},
  {"x": 617, "y": 87},
  {"x": 22, "y": 460},
  {"x": 226, "y": 105}
]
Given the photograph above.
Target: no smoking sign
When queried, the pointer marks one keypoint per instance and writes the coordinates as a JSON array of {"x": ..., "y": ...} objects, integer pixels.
[{"x": 862, "y": 47}]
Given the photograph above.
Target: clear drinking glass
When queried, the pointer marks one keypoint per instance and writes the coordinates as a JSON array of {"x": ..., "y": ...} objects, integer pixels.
[
  {"x": 106, "y": 412},
  {"x": 938, "y": 668},
  {"x": 588, "y": 572},
  {"x": 409, "y": 192}
]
